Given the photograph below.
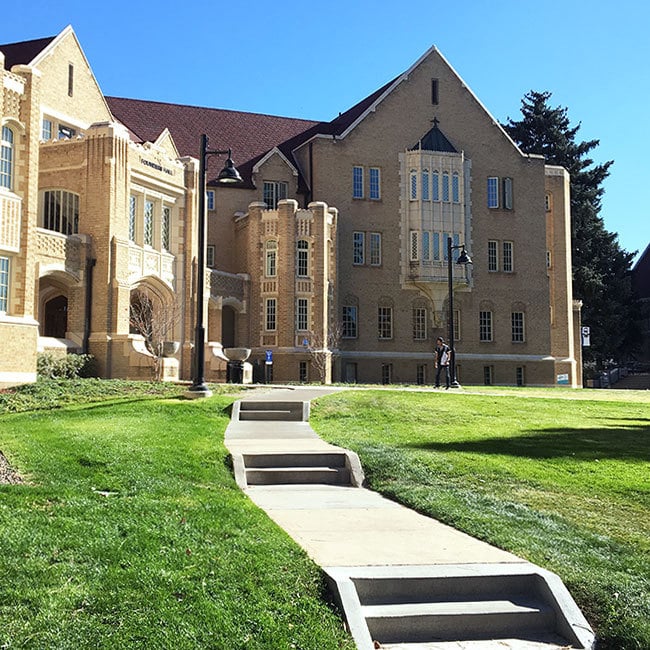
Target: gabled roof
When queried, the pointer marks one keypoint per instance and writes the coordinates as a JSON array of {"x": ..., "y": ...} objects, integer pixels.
[{"x": 25, "y": 52}]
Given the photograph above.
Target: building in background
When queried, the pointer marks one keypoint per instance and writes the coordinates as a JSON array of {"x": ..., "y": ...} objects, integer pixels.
[{"x": 98, "y": 216}]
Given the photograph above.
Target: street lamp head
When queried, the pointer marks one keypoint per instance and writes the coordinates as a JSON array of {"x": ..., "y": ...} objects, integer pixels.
[
  {"x": 229, "y": 173},
  {"x": 464, "y": 258}
]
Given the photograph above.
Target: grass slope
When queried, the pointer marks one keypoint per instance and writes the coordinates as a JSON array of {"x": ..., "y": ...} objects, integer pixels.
[
  {"x": 564, "y": 483},
  {"x": 130, "y": 532}
]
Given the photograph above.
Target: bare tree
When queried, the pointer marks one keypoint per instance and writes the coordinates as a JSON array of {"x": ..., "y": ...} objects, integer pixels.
[
  {"x": 323, "y": 349},
  {"x": 155, "y": 320}
]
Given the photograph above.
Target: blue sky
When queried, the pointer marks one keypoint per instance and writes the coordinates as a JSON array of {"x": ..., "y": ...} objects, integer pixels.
[{"x": 315, "y": 59}]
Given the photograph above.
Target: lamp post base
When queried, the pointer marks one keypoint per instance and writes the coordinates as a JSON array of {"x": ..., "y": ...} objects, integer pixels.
[{"x": 198, "y": 391}]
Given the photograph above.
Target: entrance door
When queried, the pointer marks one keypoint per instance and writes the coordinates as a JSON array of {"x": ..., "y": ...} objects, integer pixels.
[{"x": 56, "y": 317}]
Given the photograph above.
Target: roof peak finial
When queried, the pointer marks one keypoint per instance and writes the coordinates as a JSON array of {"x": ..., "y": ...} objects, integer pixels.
[{"x": 435, "y": 121}]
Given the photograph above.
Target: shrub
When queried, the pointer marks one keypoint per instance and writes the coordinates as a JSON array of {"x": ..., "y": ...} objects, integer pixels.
[{"x": 71, "y": 366}]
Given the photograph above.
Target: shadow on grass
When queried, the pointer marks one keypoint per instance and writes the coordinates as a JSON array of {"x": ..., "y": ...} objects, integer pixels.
[{"x": 631, "y": 443}]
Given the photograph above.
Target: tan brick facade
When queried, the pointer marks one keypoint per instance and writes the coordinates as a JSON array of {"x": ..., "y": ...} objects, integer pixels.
[{"x": 357, "y": 292}]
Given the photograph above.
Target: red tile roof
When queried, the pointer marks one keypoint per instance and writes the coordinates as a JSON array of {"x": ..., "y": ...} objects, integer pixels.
[{"x": 24, "y": 52}]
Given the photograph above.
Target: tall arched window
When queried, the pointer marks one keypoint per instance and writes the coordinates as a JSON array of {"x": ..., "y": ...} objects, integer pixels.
[
  {"x": 455, "y": 188},
  {"x": 271, "y": 258},
  {"x": 60, "y": 211},
  {"x": 302, "y": 258},
  {"x": 445, "y": 187},
  {"x": 7, "y": 158},
  {"x": 436, "y": 186},
  {"x": 425, "y": 184},
  {"x": 413, "y": 192}
]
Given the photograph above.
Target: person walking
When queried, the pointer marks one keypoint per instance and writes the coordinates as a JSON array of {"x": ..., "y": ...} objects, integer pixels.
[{"x": 441, "y": 354}]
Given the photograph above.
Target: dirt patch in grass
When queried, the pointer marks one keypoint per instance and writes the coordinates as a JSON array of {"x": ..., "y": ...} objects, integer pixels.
[{"x": 7, "y": 474}]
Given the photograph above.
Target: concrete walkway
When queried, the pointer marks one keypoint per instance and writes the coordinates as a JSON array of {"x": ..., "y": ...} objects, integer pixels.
[{"x": 344, "y": 529}]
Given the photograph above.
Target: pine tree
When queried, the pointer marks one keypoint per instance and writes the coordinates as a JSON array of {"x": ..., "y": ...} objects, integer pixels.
[{"x": 600, "y": 266}]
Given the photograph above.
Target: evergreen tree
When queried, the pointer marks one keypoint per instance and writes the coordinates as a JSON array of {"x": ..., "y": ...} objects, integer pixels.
[{"x": 601, "y": 267}]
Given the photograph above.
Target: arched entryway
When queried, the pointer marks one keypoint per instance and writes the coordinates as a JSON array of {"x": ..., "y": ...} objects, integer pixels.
[{"x": 55, "y": 317}]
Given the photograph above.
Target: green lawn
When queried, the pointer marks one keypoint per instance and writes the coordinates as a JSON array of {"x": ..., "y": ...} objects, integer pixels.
[
  {"x": 560, "y": 481},
  {"x": 130, "y": 532}
]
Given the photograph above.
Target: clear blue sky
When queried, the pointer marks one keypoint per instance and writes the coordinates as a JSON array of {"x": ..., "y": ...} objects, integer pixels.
[{"x": 314, "y": 59}]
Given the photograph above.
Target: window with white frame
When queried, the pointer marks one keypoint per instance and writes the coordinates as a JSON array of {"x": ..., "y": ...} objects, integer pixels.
[
  {"x": 133, "y": 212},
  {"x": 493, "y": 192},
  {"x": 357, "y": 182},
  {"x": 445, "y": 187},
  {"x": 148, "y": 223},
  {"x": 302, "y": 314},
  {"x": 419, "y": 323},
  {"x": 493, "y": 255},
  {"x": 488, "y": 375},
  {"x": 485, "y": 326},
  {"x": 548, "y": 259},
  {"x": 46, "y": 129},
  {"x": 414, "y": 254},
  {"x": 165, "y": 227},
  {"x": 302, "y": 258},
  {"x": 413, "y": 187},
  {"x": 210, "y": 256},
  {"x": 358, "y": 248},
  {"x": 518, "y": 327},
  {"x": 374, "y": 191},
  {"x": 209, "y": 199},
  {"x": 270, "y": 308},
  {"x": 375, "y": 249},
  {"x": 455, "y": 188},
  {"x": 7, "y": 158},
  {"x": 274, "y": 191},
  {"x": 520, "y": 376},
  {"x": 548, "y": 203},
  {"x": 349, "y": 322},
  {"x": 4, "y": 284},
  {"x": 60, "y": 211},
  {"x": 435, "y": 186},
  {"x": 385, "y": 322},
  {"x": 508, "y": 261},
  {"x": 425, "y": 185},
  {"x": 507, "y": 193},
  {"x": 271, "y": 259}
]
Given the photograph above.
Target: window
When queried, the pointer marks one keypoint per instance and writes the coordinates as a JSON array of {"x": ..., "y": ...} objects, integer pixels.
[
  {"x": 415, "y": 246},
  {"x": 209, "y": 199},
  {"x": 445, "y": 187},
  {"x": 493, "y": 256},
  {"x": 133, "y": 206},
  {"x": 518, "y": 333},
  {"x": 436, "y": 246},
  {"x": 302, "y": 320},
  {"x": 488, "y": 375},
  {"x": 419, "y": 323},
  {"x": 375, "y": 249},
  {"x": 357, "y": 182},
  {"x": 375, "y": 185},
  {"x": 485, "y": 326},
  {"x": 445, "y": 239},
  {"x": 70, "y": 79},
  {"x": 507, "y": 193},
  {"x": 7, "y": 158},
  {"x": 547, "y": 202},
  {"x": 520, "y": 376},
  {"x": 508, "y": 266},
  {"x": 165, "y": 227},
  {"x": 386, "y": 373},
  {"x": 421, "y": 374},
  {"x": 548, "y": 259},
  {"x": 426, "y": 246},
  {"x": 302, "y": 372},
  {"x": 271, "y": 258},
  {"x": 349, "y": 322},
  {"x": 425, "y": 185},
  {"x": 4, "y": 284},
  {"x": 492, "y": 192},
  {"x": 271, "y": 312},
  {"x": 274, "y": 191},
  {"x": 413, "y": 185},
  {"x": 358, "y": 248},
  {"x": 455, "y": 188},
  {"x": 209, "y": 256},
  {"x": 66, "y": 132},
  {"x": 435, "y": 187},
  {"x": 434, "y": 91},
  {"x": 61, "y": 211},
  {"x": 385, "y": 322},
  {"x": 148, "y": 223},
  {"x": 302, "y": 258},
  {"x": 46, "y": 129}
]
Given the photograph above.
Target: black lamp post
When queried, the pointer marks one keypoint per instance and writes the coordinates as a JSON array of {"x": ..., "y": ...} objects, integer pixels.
[
  {"x": 464, "y": 259},
  {"x": 228, "y": 174}
]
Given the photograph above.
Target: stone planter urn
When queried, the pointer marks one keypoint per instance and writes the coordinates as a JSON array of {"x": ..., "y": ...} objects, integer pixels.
[{"x": 170, "y": 348}]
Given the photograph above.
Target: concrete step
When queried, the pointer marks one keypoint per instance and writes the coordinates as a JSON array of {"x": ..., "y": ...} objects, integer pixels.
[
  {"x": 294, "y": 459},
  {"x": 298, "y": 475},
  {"x": 457, "y": 621},
  {"x": 264, "y": 410}
]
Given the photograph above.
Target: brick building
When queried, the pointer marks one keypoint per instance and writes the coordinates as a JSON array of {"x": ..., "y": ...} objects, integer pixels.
[{"x": 98, "y": 215}]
